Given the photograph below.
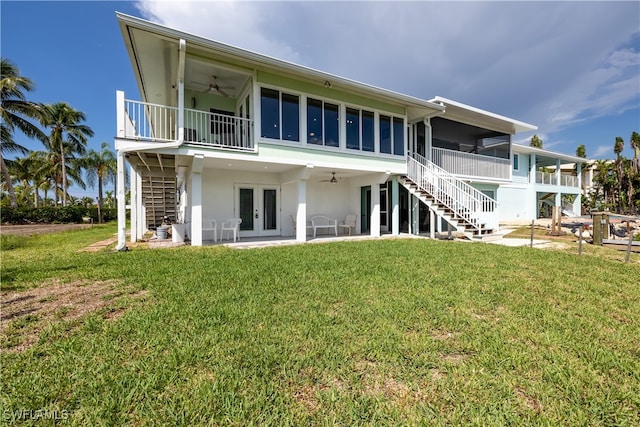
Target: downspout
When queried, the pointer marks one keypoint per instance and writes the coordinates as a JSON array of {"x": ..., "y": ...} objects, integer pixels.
[
  {"x": 429, "y": 132},
  {"x": 181, "y": 62}
]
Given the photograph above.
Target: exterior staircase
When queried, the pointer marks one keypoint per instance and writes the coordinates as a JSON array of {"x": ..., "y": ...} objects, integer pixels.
[
  {"x": 159, "y": 199},
  {"x": 468, "y": 210}
]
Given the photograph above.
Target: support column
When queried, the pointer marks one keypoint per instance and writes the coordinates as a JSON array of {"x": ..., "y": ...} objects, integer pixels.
[
  {"x": 196, "y": 209},
  {"x": 415, "y": 215},
  {"x": 122, "y": 212},
  {"x": 133, "y": 185},
  {"x": 301, "y": 214},
  {"x": 395, "y": 206},
  {"x": 142, "y": 213},
  {"x": 432, "y": 224},
  {"x": 374, "y": 221},
  {"x": 533, "y": 198},
  {"x": 196, "y": 201}
]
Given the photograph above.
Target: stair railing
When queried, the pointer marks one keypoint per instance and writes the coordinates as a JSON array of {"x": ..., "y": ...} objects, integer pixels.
[{"x": 465, "y": 201}]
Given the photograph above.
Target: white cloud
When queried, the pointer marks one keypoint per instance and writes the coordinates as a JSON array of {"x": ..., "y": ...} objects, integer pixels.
[
  {"x": 602, "y": 151},
  {"x": 241, "y": 24},
  {"x": 553, "y": 64}
]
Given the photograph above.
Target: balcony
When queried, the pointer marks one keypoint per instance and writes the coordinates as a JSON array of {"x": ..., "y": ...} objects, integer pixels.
[
  {"x": 468, "y": 165},
  {"x": 145, "y": 121},
  {"x": 547, "y": 178}
]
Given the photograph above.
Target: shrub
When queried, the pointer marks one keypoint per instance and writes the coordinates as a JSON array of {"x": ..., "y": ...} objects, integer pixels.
[{"x": 51, "y": 214}]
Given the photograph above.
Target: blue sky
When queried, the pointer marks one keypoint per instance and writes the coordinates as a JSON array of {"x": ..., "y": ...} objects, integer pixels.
[{"x": 571, "y": 68}]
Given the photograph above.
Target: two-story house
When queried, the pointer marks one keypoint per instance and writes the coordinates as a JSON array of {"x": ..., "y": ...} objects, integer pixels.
[{"x": 222, "y": 132}]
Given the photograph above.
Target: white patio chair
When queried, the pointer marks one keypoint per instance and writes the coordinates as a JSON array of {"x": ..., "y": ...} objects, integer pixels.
[
  {"x": 210, "y": 225},
  {"x": 231, "y": 225},
  {"x": 349, "y": 222}
]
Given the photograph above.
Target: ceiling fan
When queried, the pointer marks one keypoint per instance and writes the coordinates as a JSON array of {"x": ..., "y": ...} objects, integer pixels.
[
  {"x": 215, "y": 88},
  {"x": 333, "y": 179}
]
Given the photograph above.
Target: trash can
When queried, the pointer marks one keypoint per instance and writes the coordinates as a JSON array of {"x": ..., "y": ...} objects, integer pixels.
[
  {"x": 177, "y": 233},
  {"x": 162, "y": 232}
]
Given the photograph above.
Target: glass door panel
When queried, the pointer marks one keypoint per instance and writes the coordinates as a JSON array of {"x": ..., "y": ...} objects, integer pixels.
[
  {"x": 258, "y": 206},
  {"x": 246, "y": 200}
]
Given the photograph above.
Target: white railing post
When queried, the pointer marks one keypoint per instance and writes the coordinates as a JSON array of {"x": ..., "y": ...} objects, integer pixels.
[{"x": 120, "y": 112}]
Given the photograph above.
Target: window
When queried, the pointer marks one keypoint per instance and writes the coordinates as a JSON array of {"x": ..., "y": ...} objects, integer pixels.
[
  {"x": 353, "y": 128},
  {"x": 392, "y": 135},
  {"x": 368, "y": 124},
  {"x": 270, "y": 108},
  {"x": 314, "y": 122},
  {"x": 398, "y": 136},
  {"x": 273, "y": 125},
  {"x": 323, "y": 125},
  {"x": 385, "y": 134},
  {"x": 516, "y": 161},
  {"x": 331, "y": 125},
  {"x": 360, "y": 126},
  {"x": 290, "y": 117}
]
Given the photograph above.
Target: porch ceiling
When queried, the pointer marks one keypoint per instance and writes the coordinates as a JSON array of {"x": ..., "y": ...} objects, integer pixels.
[
  {"x": 146, "y": 51},
  {"x": 156, "y": 164},
  {"x": 317, "y": 174},
  {"x": 199, "y": 76}
]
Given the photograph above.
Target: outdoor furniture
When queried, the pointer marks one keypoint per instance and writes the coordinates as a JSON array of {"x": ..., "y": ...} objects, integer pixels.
[
  {"x": 295, "y": 227},
  {"x": 322, "y": 221},
  {"x": 231, "y": 225},
  {"x": 210, "y": 225},
  {"x": 349, "y": 222}
]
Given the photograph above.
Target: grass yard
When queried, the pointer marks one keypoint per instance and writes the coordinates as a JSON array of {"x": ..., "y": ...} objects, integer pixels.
[{"x": 387, "y": 332}]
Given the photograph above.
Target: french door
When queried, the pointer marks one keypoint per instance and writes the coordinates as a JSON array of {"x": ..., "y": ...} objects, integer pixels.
[{"x": 258, "y": 206}]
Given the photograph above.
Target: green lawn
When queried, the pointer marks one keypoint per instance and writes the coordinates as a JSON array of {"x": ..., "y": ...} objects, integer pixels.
[{"x": 387, "y": 332}]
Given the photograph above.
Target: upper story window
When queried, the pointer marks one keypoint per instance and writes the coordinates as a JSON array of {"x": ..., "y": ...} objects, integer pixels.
[
  {"x": 360, "y": 129},
  {"x": 323, "y": 123},
  {"x": 280, "y": 115},
  {"x": 516, "y": 162},
  {"x": 392, "y": 133}
]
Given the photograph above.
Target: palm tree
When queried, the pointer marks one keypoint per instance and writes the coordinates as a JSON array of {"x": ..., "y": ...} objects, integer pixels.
[
  {"x": 604, "y": 180},
  {"x": 22, "y": 171},
  {"x": 581, "y": 151},
  {"x": 635, "y": 144},
  {"x": 15, "y": 112},
  {"x": 109, "y": 199},
  {"x": 100, "y": 166},
  {"x": 68, "y": 136},
  {"x": 618, "y": 146},
  {"x": 535, "y": 142}
]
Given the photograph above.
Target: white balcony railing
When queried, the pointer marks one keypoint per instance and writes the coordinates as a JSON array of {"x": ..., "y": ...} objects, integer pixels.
[
  {"x": 219, "y": 130},
  {"x": 152, "y": 122},
  {"x": 471, "y": 165},
  {"x": 548, "y": 178}
]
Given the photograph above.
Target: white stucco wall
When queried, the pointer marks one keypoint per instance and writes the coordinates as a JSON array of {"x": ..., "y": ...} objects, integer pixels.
[
  {"x": 516, "y": 203},
  {"x": 220, "y": 193}
]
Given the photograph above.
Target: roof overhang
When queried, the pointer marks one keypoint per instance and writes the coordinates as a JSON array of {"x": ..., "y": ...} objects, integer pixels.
[
  {"x": 550, "y": 156},
  {"x": 484, "y": 119},
  {"x": 153, "y": 50}
]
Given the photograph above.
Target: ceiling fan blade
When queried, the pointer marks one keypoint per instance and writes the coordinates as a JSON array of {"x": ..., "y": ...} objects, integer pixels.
[{"x": 221, "y": 92}]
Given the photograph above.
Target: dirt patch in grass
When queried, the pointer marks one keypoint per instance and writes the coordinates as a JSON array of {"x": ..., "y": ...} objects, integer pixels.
[
  {"x": 529, "y": 401},
  {"x": 31, "y": 229},
  {"x": 25, "y": 314}
]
